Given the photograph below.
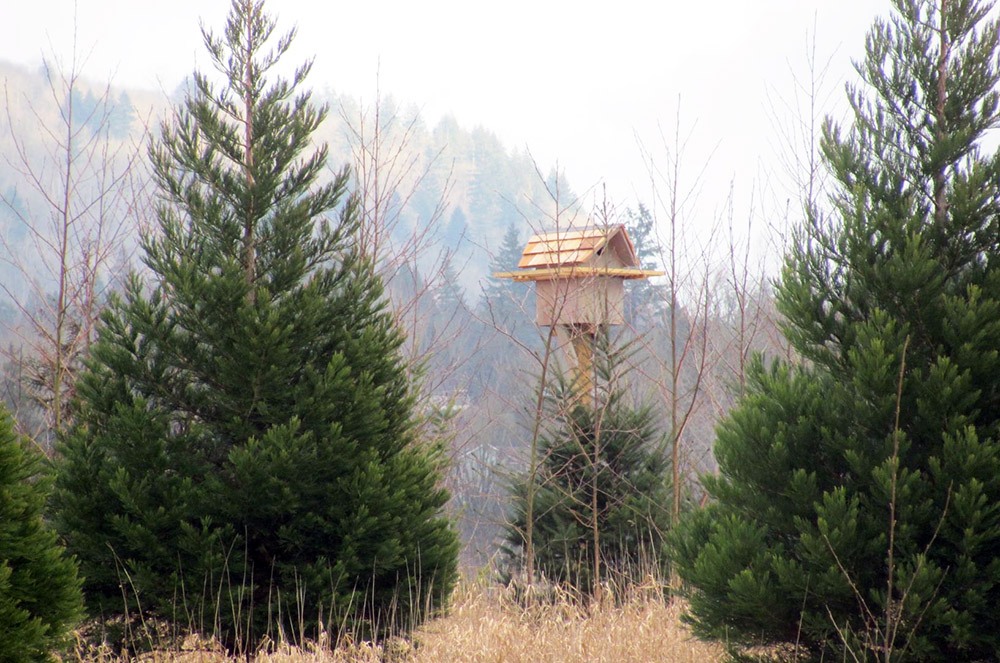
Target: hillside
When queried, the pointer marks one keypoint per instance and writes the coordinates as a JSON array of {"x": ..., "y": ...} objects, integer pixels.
[
  {"x": 443, "y": 207},
  {"x": 457, "y": 188}
]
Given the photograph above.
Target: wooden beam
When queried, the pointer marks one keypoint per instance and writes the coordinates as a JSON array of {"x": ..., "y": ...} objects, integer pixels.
[{"x": 551, "y": 273}]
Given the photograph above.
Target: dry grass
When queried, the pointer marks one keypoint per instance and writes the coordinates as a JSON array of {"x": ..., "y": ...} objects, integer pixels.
[
  {"x": 484, "y": 625},
  {"x": 487, "y": 626}
]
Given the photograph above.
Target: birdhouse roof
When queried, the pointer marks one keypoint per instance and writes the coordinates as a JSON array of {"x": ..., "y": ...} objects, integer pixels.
[{"x": 569, "y": 248}]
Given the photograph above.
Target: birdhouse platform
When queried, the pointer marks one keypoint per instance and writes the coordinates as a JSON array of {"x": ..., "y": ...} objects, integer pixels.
[{"x": 579, "y": 275}]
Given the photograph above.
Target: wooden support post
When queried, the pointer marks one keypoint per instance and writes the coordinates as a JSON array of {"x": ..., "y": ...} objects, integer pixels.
[{"x": 583, "y": 338}]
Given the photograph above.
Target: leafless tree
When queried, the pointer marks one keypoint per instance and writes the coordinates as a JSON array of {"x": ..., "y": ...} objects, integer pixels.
[
  {"x": 680, "y": 374},
  {"x": 796, "y": 121},
  {"x": 391, "y": 168},
  {"x": 78, "y": 199}
]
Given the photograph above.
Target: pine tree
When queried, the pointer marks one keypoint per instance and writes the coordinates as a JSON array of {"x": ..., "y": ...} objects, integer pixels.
[
  {"x": 641, "y": 296},
  {"x": 507, "y": 303},
  {"x": 40, "y": 598},
  {"x": 856, "y": 513},
  {"x": 244, "y": 456},
  {"x": 603, "y": 485}
]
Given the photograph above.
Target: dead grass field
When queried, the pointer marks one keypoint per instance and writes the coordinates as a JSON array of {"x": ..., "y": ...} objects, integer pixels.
[
  {"x": 488, "y": 627},
  {"x": 485, "y": 625}
]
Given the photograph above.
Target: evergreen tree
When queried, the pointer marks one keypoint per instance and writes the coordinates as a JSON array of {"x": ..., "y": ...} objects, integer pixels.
[
  {"x": 603, "y": 484},
  {"x": 40, "y": 597},
  {"x": 856, "y": 513},
  {"x": 448, "y": 297},
  {"x": 457, "y": 230},
  {"x": 507, "y": 310},
  {"x": 641, "y": 296},
  {"x": 508, "y": 303},
  {"x": 244, "y": 455}
]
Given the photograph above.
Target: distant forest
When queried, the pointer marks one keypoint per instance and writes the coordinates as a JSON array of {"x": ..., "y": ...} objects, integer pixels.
[
  {"x": 456, "y": 188},
  {"x": 444, "y": 206}
]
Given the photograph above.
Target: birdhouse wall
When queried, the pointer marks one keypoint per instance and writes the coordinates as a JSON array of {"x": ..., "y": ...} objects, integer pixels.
[
  {"x": 621, "y": 248},
  {"x": 606, "y": 258},
  {"x": 591, "y": 300}
]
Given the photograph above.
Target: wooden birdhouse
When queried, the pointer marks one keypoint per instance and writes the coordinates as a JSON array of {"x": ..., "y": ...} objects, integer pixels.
[
  {"x": 579, "y": 280},
  {"x": 579, "y": 275}
]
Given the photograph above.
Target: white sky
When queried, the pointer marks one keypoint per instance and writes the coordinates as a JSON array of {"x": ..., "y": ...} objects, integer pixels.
[{"x": 573, "y": 81}]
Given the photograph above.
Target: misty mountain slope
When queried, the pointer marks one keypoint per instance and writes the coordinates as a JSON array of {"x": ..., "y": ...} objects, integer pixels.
[{"x": 458, "y": 188}]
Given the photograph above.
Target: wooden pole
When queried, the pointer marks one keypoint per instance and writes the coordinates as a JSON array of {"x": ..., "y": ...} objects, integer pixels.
[{"x": 583, "y": 338}]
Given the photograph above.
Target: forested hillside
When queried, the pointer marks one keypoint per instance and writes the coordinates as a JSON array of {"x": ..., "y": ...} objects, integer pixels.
[
  {"x": 442, "y": 206},
  {"x": 458, "y": 186}
]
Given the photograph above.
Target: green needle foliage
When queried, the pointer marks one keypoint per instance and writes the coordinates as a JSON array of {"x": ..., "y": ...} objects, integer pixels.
[
  {"x": 244, "y": 459},
  {"x": 40, "y": 598},
  {"x": 602, "y": 485},
  {"x": 856, "y": 514}
]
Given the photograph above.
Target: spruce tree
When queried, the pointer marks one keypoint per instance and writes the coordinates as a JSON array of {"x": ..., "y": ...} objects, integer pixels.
[
  {"x": 642, "y": 310},
  {"x": 602, "y": 485},
  {"x": 40, "y": 598},
  {"x": 505, "y": 302},
  {"x": 244, "y": 459},
  {"x": 856, "y": 513}
]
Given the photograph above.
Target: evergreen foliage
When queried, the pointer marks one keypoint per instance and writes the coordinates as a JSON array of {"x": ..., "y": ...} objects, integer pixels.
[
  {"x": 506, "y": 301},
  {"x": 642, "y": 308},
  {"x": 508, "y": 307},
  {"x": 40, "y": 598},
  {"x": 856, "y": 514},
  {"x": 605, "y": 464},
  {"x": 244, "y": 458}
]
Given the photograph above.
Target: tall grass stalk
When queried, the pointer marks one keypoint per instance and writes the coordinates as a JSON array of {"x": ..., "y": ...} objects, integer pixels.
[{"x": 488, "y": 622}]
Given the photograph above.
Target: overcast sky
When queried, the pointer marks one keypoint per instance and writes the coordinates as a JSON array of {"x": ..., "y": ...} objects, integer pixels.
[{"x": 573, "y": 81}]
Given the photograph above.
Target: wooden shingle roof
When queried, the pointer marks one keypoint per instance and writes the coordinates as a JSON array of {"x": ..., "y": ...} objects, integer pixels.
[
  {"x": 576, "y": 247},
  {"x": 579, "y": 253}
]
